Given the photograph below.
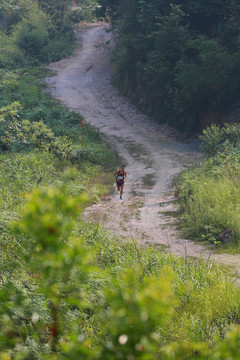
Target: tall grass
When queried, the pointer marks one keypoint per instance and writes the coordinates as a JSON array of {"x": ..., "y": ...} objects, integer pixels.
[
  {"x": 209, "y": 300},
  {"x": 209, "y": 194},
  {"x": 211, "y": 200}
]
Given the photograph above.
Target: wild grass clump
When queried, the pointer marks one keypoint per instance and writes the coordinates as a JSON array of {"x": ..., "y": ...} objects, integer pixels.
[{"x": 209, "y": 194}]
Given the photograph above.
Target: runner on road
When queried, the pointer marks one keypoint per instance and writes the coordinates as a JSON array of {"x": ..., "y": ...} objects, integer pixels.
[{"x": 120, "y": 177}]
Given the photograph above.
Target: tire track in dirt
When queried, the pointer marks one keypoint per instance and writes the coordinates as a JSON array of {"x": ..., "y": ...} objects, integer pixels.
[{"x": 152, "y": 153}]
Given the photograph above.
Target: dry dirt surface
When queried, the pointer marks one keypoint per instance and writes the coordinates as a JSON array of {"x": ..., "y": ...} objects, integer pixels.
[{"x": 154, "y": 154}]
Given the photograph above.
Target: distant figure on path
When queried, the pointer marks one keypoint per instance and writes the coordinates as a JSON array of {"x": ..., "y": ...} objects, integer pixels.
[{"x": 120, "y": 177}]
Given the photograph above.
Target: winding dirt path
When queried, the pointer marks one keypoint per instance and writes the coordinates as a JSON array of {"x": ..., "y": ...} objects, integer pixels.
[{"x": 153, "y": 154}]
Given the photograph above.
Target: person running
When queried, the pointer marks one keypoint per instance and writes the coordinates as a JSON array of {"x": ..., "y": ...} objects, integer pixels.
[{"x": 120, "y": 177}]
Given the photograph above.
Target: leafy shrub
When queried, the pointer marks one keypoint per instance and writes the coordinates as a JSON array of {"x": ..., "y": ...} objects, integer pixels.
[
  {"x": 10, "y": 54},
  {"x": 22, "y": 172},
  {"x": 58, "y": 48},
  {"x": 58, "y": 10},
  {"x": 39, "y": 35},
  {"x": 85, "y": 11},
  {"x": 31, "y": 34},
  {"x": 216, "y": 139},
  {"x": 22, "y": 134},
  {"x": 13, "y": 13}
]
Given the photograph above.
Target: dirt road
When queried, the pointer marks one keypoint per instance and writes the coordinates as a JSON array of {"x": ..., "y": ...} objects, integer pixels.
[{"x": 152, "y": 153}]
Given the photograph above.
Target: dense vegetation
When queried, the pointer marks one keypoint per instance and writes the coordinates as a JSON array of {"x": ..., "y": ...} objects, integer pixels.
[
  {"x": 67, "y": 289},
  {"x": 39, "y": 31},
  {"x": 178, "y": 60},
  {"x": 209, "y": 194},
  {"x": 72, "y": 292}
]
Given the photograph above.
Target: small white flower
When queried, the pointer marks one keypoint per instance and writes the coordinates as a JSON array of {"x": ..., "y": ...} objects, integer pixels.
[
  {"x": 35, "y": 317},
  {"x": 123, "y": 339}
]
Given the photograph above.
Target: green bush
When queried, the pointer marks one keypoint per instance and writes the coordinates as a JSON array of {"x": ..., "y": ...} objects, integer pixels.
[
  {"x": 58, "y": 48},
  {"x": 31, "y": 34},
  {"x": 40, "y": 36},
  {"x": 10, "y": 14},
  {"x": 11, "y": 55},
  {"x": 85, "y": 10},
  {"x": 17, "y": 134},
  {"x": 216, "y": 139}
]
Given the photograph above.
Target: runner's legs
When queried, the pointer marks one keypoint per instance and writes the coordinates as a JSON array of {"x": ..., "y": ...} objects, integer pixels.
[{"x": 120, "y": 188}]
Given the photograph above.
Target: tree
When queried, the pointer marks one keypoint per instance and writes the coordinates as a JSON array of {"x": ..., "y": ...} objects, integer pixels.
[
  {"x": 205, "y": 17},
  {"x": 203, "y": 82},
  {"x": 178, "y": 61},
  {"x": 31, "y": 34},
  {"x": 57, "y": 9},
  {"x": 170, "y": 41}
]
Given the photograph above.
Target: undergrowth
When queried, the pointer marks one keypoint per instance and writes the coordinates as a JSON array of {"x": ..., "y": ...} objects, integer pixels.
[
  {"x": 209, "y": 299},
  {"x": 209, "y": 194},
  {"x": 77, "y": 292}
]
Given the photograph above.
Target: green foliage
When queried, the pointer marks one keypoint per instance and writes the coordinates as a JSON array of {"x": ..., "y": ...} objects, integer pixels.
[
  {"x": 40, "y": 30},
  {"x": 228, "y": 348},
  {"x": 31, "y": 33},
  {"x": 12, "y": 14},
  {"x": 48, "y": 217},
  {"x": 209, "y": 194},
  {"x": 84, "y": 10},
  {"x": 198, "y": 84},
  {"x": 10, "y": 54},
  {"x": 9, "y": 125},
  {"x": 216, "y": 139},
  {"x": 57, "y": 9},
  {"x": 41, "y": 36},
  {"x": 53, "y": 215},
  {"x": 177, "y": 61},
  {"x": 208, "y": 18},
  {"x": 210, "y": 198},
  {"x": 49, "y": 125},
  {"x": 203, "y": 297},
  {"x": 62, "y": 305},
  {"x": 141, "y": 307},
  {"x": 17, "y": 133}
]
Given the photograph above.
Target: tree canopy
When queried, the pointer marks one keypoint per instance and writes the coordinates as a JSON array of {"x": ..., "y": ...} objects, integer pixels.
[{"x": 178, "y": 60}]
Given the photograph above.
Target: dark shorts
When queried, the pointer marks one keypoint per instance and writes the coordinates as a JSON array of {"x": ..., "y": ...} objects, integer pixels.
[{"x": 119, "y": 184}]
